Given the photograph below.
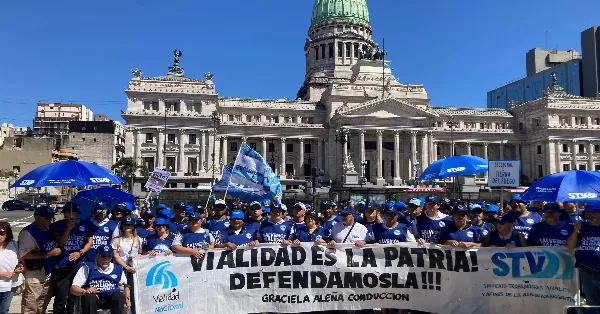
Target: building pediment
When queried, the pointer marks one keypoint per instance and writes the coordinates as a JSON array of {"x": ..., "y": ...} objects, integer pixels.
[{"x": 388, "y": 108}]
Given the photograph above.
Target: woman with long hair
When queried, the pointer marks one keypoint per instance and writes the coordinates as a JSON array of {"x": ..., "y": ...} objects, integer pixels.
[
  {"x": 10, "y": 268},
  {"x": 125, "y": 247}
]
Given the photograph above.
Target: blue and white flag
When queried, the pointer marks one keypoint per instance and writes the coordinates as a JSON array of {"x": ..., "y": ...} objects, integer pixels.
[{"x": 251, "y": 177}]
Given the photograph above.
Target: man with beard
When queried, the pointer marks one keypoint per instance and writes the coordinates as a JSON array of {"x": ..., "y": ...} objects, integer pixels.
[
  {"x": 476, "y": 219},
  {"x": 524, "y": 219},
  {"x": 328, "y": 218},
  {"x": 551, "y": 231},
  {"x": 99, "y": 284},
  {"x": 255, "y": 217},
  {"x": 391, "y": 231},
  {"x": 460, "y": 233},
  {"x": 274, "y": 230},
  {"x": 218, "y": 221},
  {"x": 179, "y": 221},
  {"x": 237, "y": 234},
  {"x": 348, "y": 231}
]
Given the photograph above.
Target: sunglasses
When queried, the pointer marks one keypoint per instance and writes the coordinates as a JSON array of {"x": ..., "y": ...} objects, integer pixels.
[{"x": 3, "y": 232}]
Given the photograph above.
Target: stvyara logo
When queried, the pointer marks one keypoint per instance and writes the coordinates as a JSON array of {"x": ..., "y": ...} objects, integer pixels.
[
  {"x": 159, "y": 275},
  {"x": 524, "y": 265},
  {"x": 457, "y": 169}
]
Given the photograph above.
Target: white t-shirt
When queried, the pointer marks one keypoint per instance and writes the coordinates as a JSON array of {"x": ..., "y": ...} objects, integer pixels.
[
  {"x": 83, "y": 273},
  {"x": 126, "y": 247},
  {"x": 8, "y": 262},
  {"x": 339, "y": 232}
]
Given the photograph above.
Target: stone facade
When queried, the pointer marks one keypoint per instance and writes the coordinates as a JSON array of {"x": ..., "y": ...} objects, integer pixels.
[
  {"x": 391, "y": 129},
  {"x": 102, "y": 142}
]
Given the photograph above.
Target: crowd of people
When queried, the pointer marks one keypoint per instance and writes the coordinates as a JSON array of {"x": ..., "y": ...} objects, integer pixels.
[{"x": 68, "y": 258}]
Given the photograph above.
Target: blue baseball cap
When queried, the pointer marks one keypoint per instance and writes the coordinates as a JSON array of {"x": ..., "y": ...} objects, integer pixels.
[
  {"x": 199, "y": 209},
  {"x": 70, "y": 207},
  {"x": 415, "y": 202},
  {"x": 508, "y": 218},
  {"x": 148, "y": 213},
  {"x": 346, "y": 211},
  {"x": 492, "y": 208},
  {"x": 128, "y": 221},
  {"x": 312, "y": 213},
  {"x": 475, "y": 208},
  {"x": 189, "y": 208},
  {"x": 179, "y": 206},
  {"x": 327, "y": 204},
  {"x": 300, "y": 206},
  {"x": 255, "y": 203},
  {"x": 516, "y": 198},
  {"x": 400, "y": 206},
  {"x": 194, "y": 216},
  {"x": 281, "y": 207},
  {"x": 100, "y": 207},
  {"x": 165, "y": 213},
  {"x": 432, "y": 198},
  {"x": 372, "y": 205},
  {"x": 44, "y": 211},
  {"x": 160, "y": 222},
  {"x": 387, "y": 206},
  {"x": 553, "y": 207},
  {"x": 220, "y": 203},
  {"x": 237, "y": 214},
  {"x": 160, "y": 206},
  {"x": 121, "y": 206},
  {"x": 460, "y": 209},
  {"x": 266, "y": 209},
  {"x": 104, "y": 250}
]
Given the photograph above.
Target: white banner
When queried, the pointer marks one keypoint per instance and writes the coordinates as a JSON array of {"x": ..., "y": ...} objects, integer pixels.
[{"x": 305, "y": 278}]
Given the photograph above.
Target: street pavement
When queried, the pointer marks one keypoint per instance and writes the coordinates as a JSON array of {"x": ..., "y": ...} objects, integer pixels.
[{"x": 18, "y": 219}]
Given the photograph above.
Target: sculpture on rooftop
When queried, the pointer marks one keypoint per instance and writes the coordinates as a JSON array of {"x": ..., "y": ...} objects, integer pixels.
[
  {"x": 176, "y": 55},
  {"x": 370, "y": 53}
]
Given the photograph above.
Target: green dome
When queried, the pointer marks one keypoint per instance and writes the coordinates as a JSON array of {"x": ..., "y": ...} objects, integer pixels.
[{"x": 340, "y": 11}]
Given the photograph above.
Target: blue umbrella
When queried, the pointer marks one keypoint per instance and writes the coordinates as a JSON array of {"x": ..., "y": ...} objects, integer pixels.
[
  {"x": 455, "y": 166},
  {"x": 67, "y": 173},
  {"x": 568, "y": 186},
  {"x": 87, "y": 198}
]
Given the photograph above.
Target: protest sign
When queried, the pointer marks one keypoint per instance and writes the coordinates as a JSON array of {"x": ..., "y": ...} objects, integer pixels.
[
  {"x": 307, "y": 277},
  {"x": 158, "y": 180},
  {"x": 504, "y": 173}
]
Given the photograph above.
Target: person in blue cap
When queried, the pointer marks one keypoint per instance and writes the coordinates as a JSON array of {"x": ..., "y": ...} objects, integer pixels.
[
  {"x": 536, "y": 207},
  {"x": 476, "y": 219},
  {"x": 179, "y": 221},
  {"x": 371, "y": 217},
  {"x": 255, "y": 216},
  {"x": 119, "y": 212},
  {"x": 414, "y": 210},
  {"x": 551, "y": 231},
  {"x": 298, "y": 213},
  {"x": 237, "y": 234},
  {"x": 146, "y": 227},
  {"x": 505, "y": 235},
  {"x": 159, "y": 242},
  {"x": 103, "y": 229},
  {"x": 427, "y": 226},
  {"x": 391, "y": 230},
  {"x": 194, "y": 239},
  {"x": 524, "y": 219},
  {"x": 491, "y": 214},
  {"x": 328, "y": 217},
  {"x": 73, "y": 240},
  {"x": 274, "y": 230},
  {"x": 99, "y": 284},
  {"x": 585, "y": 242},
  {"x": 460, "y": 233},
  {"x": 127, "y": 246},
  {"x": 199, "y": 209},
  {"x": 310, "y": 231},
  {"x": 218, "y": 221}
]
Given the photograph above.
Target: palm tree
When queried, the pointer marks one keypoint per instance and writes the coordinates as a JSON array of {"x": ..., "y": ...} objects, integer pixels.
[{"x": 126, "y": 167}]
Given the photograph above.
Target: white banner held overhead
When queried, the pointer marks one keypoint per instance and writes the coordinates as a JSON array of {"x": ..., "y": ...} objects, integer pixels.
[
  {"x": 504, "y": 173},
  {"x": 157, "y": 181},
  {"x": 306, "y": 278}
]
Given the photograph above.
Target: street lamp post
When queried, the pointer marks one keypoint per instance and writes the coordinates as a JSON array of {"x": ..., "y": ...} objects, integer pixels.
[
  {"x": 215, "y": 118},
  {"x": 452, "y": 123},
  {"x": 341, "y": 136},
  {"x": 363, "y": 166}
]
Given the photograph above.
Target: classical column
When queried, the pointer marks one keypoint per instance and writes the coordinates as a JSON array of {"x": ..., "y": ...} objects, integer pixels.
[
  {"x": 182, "y": 106},
  {"x": 550, "y": 157},
  {"x": 263, "y": 147},
  {"x": 282, "y": 159},
  {"x": 380, "y": 180},
  {"x": 202, "y": 160},
  {"x": 300, "y": 171},
  {"x": 138, "y": 145},
  {"x": 320, "y": 153},
  {"x": 430, "y": 148},
  {"x": 160, "y": 149},
  {"x": 180, "y": 165},
  {"x": 557, "y": 150},
  {"x": 413, "y": 152},
  {"x": 501, "y": 151},
  {"x": 434, "y": 152},
  {"x": 218, "y": 157},
  {"x": 361, "y": 146},
  {"x": 469, "y": 152},
  {"x": 485, "y": 150},
  {"x": 590, "y": 154},
  {"x": 397, "y": 180},
  {"x": 574, "y": 154},
  {"x": 424, "y": 152},
  {"x": 224, "y": 153}
]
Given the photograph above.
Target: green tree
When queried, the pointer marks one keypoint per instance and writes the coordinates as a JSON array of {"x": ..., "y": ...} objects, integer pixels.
[
  {"x": 5, "y": 173},
  {"x": 127, "y": 167}
]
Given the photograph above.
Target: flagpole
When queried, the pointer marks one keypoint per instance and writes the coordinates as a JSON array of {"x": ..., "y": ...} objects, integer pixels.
[{"x": 229, "y": 181}]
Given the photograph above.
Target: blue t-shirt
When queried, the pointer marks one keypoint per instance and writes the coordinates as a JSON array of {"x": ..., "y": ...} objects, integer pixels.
[
  {"x": 468, "y": 234},
  {"x": 304, "y": 235},
  {"x": 429, "y": 229},
  {"x": 102, "y": 235},
  {"x": 484, "y": 228},
  {"x": 75, "y": 243},
  {"x": 143, "y": 232},
  {"x": 273, "y": 233},
  {"x": 327, "y": 224},
  {"x": 242, "y": 238},
  {"x": 495, "y": 239},
  {"x": 214, "y": 226},
  {"x": 524, "y": 224},
  {"x": 252, "y": 224},
  {"x": 587, "y": 253},
  {"x": 543, "y": 234},
  {"x": 175, "y": 226},
  {"x": 194, "y": 240},
  {"x": 382, "y": 234},
  {"x": 294, "y": 225},
  {"x": 154, "y": 243},
  {"x": 106, "y": 284}
]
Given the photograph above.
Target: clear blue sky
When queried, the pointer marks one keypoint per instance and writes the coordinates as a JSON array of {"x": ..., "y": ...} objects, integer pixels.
[{"x": 83, "y": 51}]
